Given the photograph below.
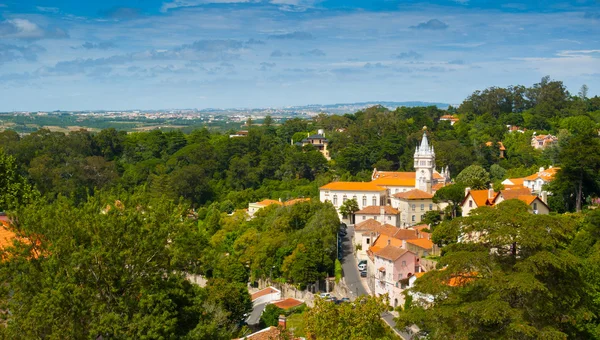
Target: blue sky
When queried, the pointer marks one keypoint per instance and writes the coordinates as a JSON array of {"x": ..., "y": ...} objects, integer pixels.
[{"x": 151, "y": 54}]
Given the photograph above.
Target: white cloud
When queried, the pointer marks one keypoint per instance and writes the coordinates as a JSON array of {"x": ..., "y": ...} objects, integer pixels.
[
  {"x": 166, "y": 6},
  {"x": 47, "y": 9},
  {"x": 25, "y": 29}
]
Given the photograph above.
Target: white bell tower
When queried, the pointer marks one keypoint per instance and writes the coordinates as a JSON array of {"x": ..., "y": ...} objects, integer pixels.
[{"x": 424, "y": 164}]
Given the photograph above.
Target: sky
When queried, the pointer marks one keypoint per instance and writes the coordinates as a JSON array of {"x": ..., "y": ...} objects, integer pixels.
[{"x": 163, "y": 54}]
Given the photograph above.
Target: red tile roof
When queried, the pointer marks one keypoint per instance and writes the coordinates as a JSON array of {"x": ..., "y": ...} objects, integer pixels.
[
  {"x": 263, "y": 292},
  {"x": 353, "y": 186},
  {"x": 421, "y": 243},
  {"x": 376, "y": 210},
  {"x": 288, "y": 303},
  {"x": 390, "y": 252},
  {"x": 414, "y": 194}
]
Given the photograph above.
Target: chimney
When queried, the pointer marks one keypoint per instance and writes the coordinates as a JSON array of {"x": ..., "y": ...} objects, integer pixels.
[
  {"x": 321, "y": 132},
  {"x": 282, "y": 321},
  {"x": 544, "y": 197},
  {"x": 389, "y": 241},
  {"x": 541, "y": 169},
  {"x": 382, "y": 212},
  {"x": 467, "y": 190},
  {"x": 491, "y": 193},
  {"x": 403, "y": 244}
]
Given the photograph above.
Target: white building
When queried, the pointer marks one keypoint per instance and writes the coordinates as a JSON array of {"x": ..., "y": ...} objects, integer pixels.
[
  {"x": 383, "y": 214},
  {"x": 365, "y": 193}
]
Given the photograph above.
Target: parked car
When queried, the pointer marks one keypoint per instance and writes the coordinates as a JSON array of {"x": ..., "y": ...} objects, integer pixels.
[
  {"x": 362, "y": 267},
  {"x": 326, "y": 296},
  {"x": 343, "y": 232},
  {"x": 345, "y": 300},
  {"x": 363, "y": 274}
]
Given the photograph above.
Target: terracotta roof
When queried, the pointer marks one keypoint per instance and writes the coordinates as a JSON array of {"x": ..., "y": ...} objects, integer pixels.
[
  {"x": 419, "y": 274},
  {"x": 395, "y": 174},
  {"x": 437, "y": 186},
  {"x": 296, "y": 200},
  {"x": 269, "y": 333},
  {"x": 353, "y": 186},
  {"x": 515, "y": 193},
  {"x": 542, "y": 137},
  {"x": 263, "y": 292},
  {"x": 500, "y": 145},
  {"x": 390, "y": 252},
  {"x": 436, "y": 175},
  {"x": 268, "y": 202},
  {"x": 480, "y": 197},
  {"x": 367, "y": 225},
  {"x": 376, "y": 210},
  {"x": 516, "y": 181},
  {"x": 288, "y": 303},
  {"x": 421, "y": 243},
  {"x": 547, "y": 175},
  {"x": 405, "y": 234},
  {"x": 382, "y": 241},
  {"x": 414, "y": 194},
  {"x": 397, "y": 182},
  {"x": 462, "y": 279},
  {"x": 6, "y": 235},
  {"x": 449, "y": 117}
]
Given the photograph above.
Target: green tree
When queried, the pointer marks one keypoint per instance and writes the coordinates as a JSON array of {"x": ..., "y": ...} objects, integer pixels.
[
  {"x": 507, "y": 279},
  {"x": 348, "y": 208},
  {"x": 115, "y": 268},
  {"x": 474, "y": 177},
  {"x": 359, "y": 320},
  {"x": 270, "y": 316},
  {"x": 453, "y": 194},
  {"x": 14, "y": 188},
  {"x": 578, "y": 176}
]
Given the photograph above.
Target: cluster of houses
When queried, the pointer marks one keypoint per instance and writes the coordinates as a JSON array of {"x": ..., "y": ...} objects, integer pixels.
[{"x": 389, "y": 229}]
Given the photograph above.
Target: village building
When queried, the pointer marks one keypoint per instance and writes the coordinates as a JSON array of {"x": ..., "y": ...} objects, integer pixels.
[
  {"x": 534, "y": 182},
  {"x": 385, "y": 185},
  {"x": 242, "y": 133},
  {"x": 479, "y": 198},
  {"x": 383, "y": 213},
  {"x": 256, "y": 206},
  {"x": 452, "y": 119},
  {"x": 367, "y": 232},
  {"x": 319, "y": 142},
  {"x": 543, "y": 141},
  {"x": 412, "y": 205}
]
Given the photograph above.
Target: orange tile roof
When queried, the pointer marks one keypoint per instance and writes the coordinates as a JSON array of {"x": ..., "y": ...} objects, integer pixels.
[
  {"x": 390, "y": 252},
  {"x": 263, "y": 292},
  {"x": 449, "y": 117},
  {"x": 367, "y": 225},
  {"x": 405, "y": 234},
  {"x": 461, "y": 279},
  {"x": 395, "y": 174},
  {"x": 6, "y": 236},
  {"x": 353, "y": 186},
  {"x": 419, "y": 274},
  {"x": 288, "y": 303},
  {"x": 436, "y": 175},
  {"x": 514, "y": 193},
  {"x": 269, "y": 333},
  {"x": 547, "y": 175},
  {"x": 296, "y": 200},
  {"x": 437, "y": 186},
  {"x": 376, "y": 210},
  {"x": 517, "y": 181},
  {"x": 481, "y": 197},
  {"x": 414, "y": 194},
  {"x": 395, "y": 182},
  {"x": 421, "y": 243},
  {"x": 500, "y": 145},
  {"x": 268, "y": 202},
  {"x": 382, "y": 242}
]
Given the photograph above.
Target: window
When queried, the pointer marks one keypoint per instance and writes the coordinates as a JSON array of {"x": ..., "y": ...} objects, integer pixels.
[
  {"x": 421, "y": 218},
  {"x": 375, "y": 218},
  {"x": 368, "y": 240},
  {"x": 403, "y": 263},
  {"x": 364, "y": 201},
  {"x": 344, "y": 199},
  {"x": 534, "y": 205},
  {"x": 414, "y": 206},
  {"x": 413, "y": 218},
  {"x": 431, "y": 207},
  {"x": 422, "y": 207},
  {"x": 374, "y": 200},
  {"x": 364, "y": 218},
  {"x": 390, "y": 217},
  {"x": 334, "y": 199},
  {"x": 354, "y": 198},
  {"x": 470, "y": 204}
]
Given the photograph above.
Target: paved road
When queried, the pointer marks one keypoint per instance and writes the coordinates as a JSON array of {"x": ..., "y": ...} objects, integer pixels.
[
  {"x": 257, "y": 310},
  {"x": 350, "y": 266},
  {"x": 389, "y": 319}
]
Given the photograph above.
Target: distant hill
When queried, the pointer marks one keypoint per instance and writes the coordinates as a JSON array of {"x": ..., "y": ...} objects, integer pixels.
[{"x": 337, "y": 108}]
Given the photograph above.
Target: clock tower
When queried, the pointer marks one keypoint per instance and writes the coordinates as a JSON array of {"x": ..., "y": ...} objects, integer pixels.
[{"x": 424, "y": 164}]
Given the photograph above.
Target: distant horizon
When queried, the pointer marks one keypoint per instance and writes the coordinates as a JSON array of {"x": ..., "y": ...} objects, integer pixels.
[
  {"x": 146, "y": 54},
  {"x": 374, "y": 102}
]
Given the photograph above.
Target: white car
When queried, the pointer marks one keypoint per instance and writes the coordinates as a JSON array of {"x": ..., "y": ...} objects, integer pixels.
[
  {"x": 362, "y": 267},
  {"x": 325, "y": 296}
]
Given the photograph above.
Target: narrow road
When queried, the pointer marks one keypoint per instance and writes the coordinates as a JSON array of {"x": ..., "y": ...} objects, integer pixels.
[
  {"x": 350, "y": 266},
  {"x": 257, "y": 310},
  {"x": 389, "y": 319}
]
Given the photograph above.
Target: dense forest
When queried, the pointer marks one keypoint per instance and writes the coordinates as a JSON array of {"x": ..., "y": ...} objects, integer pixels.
[{"x": 115, "y": 221}]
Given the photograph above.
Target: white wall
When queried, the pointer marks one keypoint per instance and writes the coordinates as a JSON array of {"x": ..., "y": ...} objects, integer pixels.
[{"x": 328, "y": 195}]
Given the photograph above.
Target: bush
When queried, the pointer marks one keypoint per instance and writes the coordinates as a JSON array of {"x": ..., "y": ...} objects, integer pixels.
[
  {"x": 338, "y": 271},
  {"x": 270, "y": 317}
]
